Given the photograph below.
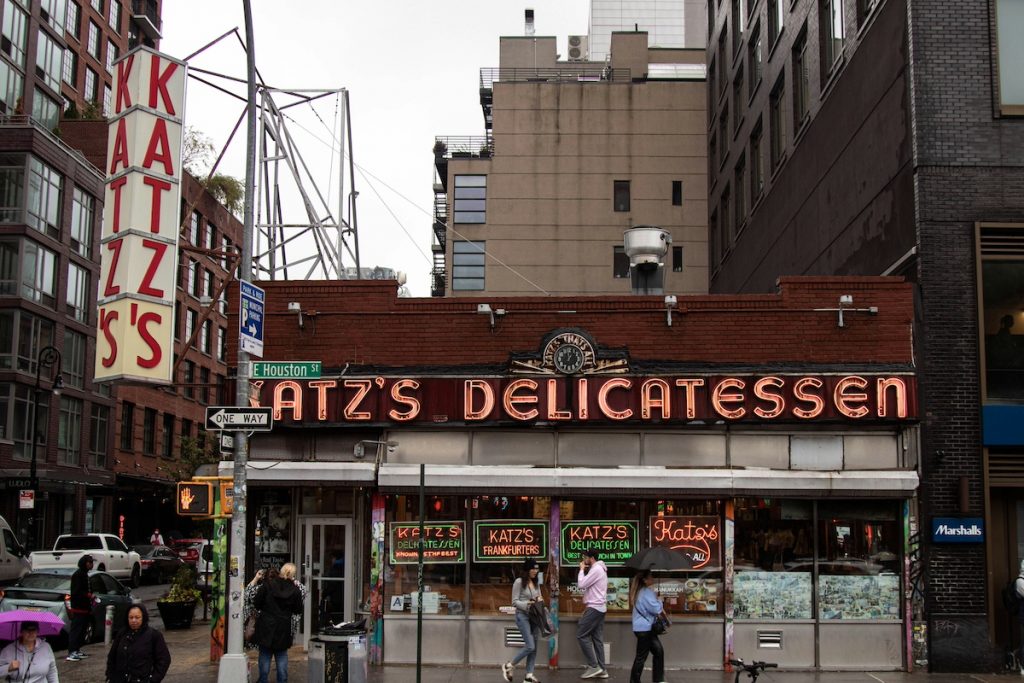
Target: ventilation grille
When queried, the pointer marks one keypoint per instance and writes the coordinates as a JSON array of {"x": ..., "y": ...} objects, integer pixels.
[
  {"x": 769, "y": 640},
  {"x": 1006, "y": 469},
  {"x": 1007, "y": 241},
  {"x": 513, "y": 638}
]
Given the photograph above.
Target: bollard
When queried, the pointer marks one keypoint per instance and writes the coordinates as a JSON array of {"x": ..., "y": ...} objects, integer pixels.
[{"x": 108, "y": 625}]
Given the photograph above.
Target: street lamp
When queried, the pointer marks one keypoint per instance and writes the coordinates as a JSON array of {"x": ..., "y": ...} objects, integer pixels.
[{"x": 48, "y": 358}]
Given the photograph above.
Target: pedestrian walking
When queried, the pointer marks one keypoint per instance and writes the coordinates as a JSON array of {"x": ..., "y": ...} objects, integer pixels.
[
  {"x": 277, "y": 599},
  {"x": 646, "y": 611},
  {"x": 1018, "y": 587},
  {"x": 139, "y": 653},
  {"x": 249, "y": 611},
  {"x": 593, "y": 581},
  {"x": 526, "y": 593},
  {"x": 29, "y": 659},
  {"x": 80, "y": 608},
  {"x": 156, "y": 538}
]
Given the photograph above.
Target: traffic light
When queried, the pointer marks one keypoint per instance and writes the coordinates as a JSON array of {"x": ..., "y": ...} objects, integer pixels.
[{"x": 195, "y": 498}]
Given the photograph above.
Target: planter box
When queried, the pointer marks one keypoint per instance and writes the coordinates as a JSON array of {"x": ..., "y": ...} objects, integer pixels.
[{"x": 177, "y": 615}]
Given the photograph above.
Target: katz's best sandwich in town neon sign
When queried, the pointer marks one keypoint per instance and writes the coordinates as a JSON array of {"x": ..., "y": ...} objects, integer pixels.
[{"x": 609, "y": 399}]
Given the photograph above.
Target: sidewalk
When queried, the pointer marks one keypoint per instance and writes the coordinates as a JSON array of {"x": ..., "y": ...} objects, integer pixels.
[{"x": 190, "y": 663}]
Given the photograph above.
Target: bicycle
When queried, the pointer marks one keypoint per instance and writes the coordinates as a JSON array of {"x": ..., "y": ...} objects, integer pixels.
[{"x": 753, "y": 670}]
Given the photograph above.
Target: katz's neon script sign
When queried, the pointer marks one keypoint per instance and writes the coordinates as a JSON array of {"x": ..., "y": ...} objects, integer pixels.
[
  {"x": 768, "y": 398},
  {"x": 697, "y": 537}
]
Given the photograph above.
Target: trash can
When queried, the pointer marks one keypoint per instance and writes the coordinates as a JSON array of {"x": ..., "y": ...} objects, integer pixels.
[{"x": 338, "y": 655}]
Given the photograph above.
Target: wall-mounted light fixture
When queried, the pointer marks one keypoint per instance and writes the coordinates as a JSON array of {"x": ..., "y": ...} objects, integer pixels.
[
  {"x": 670, "y": 303},
  {"x": 296, "y": 307},
  {"x": 493, "y": 313},
  {"x": 845, "y": 306}
]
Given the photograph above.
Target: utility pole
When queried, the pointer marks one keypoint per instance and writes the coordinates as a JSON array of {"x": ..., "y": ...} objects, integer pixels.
[{"x": 234, "y": 664}]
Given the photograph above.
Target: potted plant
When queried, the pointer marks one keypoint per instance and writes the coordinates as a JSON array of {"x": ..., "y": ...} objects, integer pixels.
[
  {"x": 440, "y": 149},
  {"x": 179, "y": 605}
]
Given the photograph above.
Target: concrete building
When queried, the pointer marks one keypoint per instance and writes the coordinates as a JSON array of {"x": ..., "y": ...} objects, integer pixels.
[
  {"x": 883, "y": 137},
  {"x": 669, "y": 23},
  {"x": 574, "y": 154},
  {"x": 55, "y": 53}
]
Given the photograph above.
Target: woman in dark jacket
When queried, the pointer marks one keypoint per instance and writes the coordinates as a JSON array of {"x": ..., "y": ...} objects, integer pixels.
[
  {"x": 138, "y": 653},
  {"x": 277, "y": 600}
]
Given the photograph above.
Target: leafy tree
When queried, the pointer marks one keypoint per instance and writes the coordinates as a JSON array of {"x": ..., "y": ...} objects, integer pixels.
[
  {"x": 190, "y": 457},
  {"x": 227, "y": 190}
]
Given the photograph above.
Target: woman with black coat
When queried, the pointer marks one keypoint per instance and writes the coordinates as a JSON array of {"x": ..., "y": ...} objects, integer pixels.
[
  {"x": 277, "y": 600},
  {"x": 139, "y": 653}
]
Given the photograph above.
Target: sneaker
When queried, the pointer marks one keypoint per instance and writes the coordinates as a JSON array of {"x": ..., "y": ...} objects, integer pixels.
[
  {"x": 602, "y": 674},
  {"x": 592, "y": 672},
  {"x": 530, "y": 678},
  {"x": 74, "y": 657},
  {"x": 81, "y": 654},
  {"x": 506, "y": 670}
]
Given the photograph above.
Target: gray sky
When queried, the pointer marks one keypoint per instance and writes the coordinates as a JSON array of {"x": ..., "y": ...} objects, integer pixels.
[{"x": 412, "y": 71}]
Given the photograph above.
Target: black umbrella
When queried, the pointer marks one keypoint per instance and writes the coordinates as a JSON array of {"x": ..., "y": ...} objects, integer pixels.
[{"x": 659, "y": 558}]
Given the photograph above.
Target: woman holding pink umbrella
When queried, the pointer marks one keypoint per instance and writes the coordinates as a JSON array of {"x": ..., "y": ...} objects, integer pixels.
[{"x": 28, "y": 659}]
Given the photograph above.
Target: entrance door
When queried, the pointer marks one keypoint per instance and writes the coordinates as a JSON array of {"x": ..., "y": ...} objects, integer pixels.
[{"x": 326, "y": 567}]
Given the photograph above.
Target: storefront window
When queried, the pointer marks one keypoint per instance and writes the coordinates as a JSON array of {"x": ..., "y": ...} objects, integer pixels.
[
  {"x": 693, "y": 528},
  {"x": 1003, "y": 321},
  {"x": 773, "y": 559},
  {"x": 506, "y": 530},
  {"x": 444, "y": 567},
  {"x": 858, "y": 560}
]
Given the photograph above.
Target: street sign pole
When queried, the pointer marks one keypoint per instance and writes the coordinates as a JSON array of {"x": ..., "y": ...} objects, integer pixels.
[{"x": 234, "y": 665}]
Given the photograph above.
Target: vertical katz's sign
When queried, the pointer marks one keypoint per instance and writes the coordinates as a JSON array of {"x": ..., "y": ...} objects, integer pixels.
[{"x": 141, "y": 219}]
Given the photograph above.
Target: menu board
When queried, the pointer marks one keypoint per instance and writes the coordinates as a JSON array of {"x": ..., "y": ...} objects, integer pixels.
[
  {"x": 616, "y": 597},
  {"x": 693, "y": 595},
  {"x": 443, "y": 542},
  {"x": 772, "y": 595},
  {"x": 699, "y": 537},
  {"x": 859, "y": 597},
  {"x": 615, "y": 541},
  {"x": 510, "y": 540}
]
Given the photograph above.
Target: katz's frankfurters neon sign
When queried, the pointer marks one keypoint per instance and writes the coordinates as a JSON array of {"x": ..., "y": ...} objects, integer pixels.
[{"x": 669, "y": 399}]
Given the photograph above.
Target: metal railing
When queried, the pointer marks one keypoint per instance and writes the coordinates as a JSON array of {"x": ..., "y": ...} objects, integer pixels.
[
  {"x": 147, "y": 9},
  {"x": 567, "y": 73},
  {"x": 464, "y": 146},
  {"x": 438, "y": 278}
]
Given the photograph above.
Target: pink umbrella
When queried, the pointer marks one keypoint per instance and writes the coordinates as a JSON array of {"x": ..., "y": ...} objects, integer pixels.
[{"x": 10, "y": 623}]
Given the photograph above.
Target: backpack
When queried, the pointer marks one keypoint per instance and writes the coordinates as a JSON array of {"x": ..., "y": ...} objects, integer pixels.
[{"x": 1011, "y": 600}]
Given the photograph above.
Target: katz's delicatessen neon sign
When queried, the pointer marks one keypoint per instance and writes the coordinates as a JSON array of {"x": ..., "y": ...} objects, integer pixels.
[{"x": 612, "y": 399}]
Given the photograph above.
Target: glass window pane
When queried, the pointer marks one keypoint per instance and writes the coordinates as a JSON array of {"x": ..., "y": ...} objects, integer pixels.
[
  {"x": 1010, "y": 26},
  {"x": 1003, "y": 288},
  {"x": 471, "y": 193},
  {"x": 44, "y": 186},
  {"x": 470, "y": 181},
  {"x": 12, "y": 89},
  {"x": 470, "y": 217},
  {"x": 15, "y": 33}
]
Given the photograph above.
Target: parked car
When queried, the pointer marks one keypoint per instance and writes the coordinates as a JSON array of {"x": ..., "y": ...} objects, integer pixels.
[
  {"x": 49, "y": 591},
  {"x": 109, "y": 553},
  {"x": 14, "y": 562},
  {"x": 159, "y": 563}
]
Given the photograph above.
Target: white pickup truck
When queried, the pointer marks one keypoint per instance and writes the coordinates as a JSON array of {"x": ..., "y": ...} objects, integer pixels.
[{"x": 109, "y": 554}]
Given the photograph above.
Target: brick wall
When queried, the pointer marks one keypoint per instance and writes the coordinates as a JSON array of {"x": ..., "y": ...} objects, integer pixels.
[{"x": 364, "y": 323}]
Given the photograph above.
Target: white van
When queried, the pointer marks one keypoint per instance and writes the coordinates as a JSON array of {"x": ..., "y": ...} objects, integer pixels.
[{"x": 14, "y": 562}]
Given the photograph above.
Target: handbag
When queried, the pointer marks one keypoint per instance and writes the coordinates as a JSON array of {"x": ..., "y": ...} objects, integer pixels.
[
  {"x": 250, "y": 627},
  {"x": 659, "y": 625}
]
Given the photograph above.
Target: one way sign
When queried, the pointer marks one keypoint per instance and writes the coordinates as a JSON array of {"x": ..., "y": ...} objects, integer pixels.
[{"x": 230, "y": 418}]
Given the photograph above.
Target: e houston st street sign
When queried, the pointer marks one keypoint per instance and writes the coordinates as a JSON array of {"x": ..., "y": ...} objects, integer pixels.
[{"x": 231, "y": 418}]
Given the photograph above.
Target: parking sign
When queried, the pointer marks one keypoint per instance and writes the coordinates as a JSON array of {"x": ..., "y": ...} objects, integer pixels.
[{"x": 251, "y": 318}]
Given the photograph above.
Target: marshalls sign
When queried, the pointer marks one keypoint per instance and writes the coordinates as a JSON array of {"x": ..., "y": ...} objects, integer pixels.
[{"x": 141, "y": 220}]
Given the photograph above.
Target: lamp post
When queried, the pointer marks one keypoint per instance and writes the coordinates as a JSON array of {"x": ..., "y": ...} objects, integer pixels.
[{"x": 48, "y": 357}]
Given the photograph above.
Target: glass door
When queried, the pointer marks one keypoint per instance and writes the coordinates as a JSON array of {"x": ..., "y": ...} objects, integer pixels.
[{"x": 325, "y": 571}]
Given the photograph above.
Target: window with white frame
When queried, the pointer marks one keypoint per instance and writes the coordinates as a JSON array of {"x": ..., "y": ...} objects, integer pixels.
[
  {"x": 79, "y": 294},
  {"x": 468, "y": 265},
  {"x": 81, "y": 229},
  {"x": 205, "y": 336},
  {"x": 69, "y": 431},
  {"x": 99, "y": 428},
  {"x": 93, "y": 44},
  {"x": 72, "y": 366},
  {"x": 45, "y": 110},
  {"x": 111, "y": 55},
  {"x": 44, "y": 185},
  {"x": 49, "y": 61},
  {"x": 107, "y": 100},
  {"x": 15, "y": 33},
  {"x": 115, "y": 15},
  {"x": 71, "y": 68},
  {"x": 74, "y": 21},
  {"x": 38, "y": 274},
  {"x": 91, "y": 90},
  {"x": 832, "y": 34},
  {"x": 54, "y": 12}
]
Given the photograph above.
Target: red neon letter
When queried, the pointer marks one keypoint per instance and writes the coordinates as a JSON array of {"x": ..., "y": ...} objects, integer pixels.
[
  {"x": 510, "y": 401},
  {"x": 146, "y": 286},
  {"x": 154, "y": 213},
  {"x": 115, "y": 246},
  {"x": 124, "y": 96},
  {"x": 760, "y": 390},
  {"x": 553, "y": 412},
  {"x": 120, "y": 151},
  {"x": 362, "y": 386},
  {"x": 142, "y": 324},
  {"x": 398, "y": 397},
  {"x": 159, "y": 148},
  {"x": 900, "y": 386},
  {"x": 474, "y": 386},
  {"x": 117, "y": 186},
  {"x": 691, "y": 395},
  {"x": 321, "y": 386},
  {"x": 602, "y": 399},
  {"x": 107, "y": 317},
  {"x": 648, "y": 402},
  {"x": 818, "y": 404},
  {"x": 295, "y": 404},
  {"x": 719, "y": 398},
  {"x": 844, "y": 399}
]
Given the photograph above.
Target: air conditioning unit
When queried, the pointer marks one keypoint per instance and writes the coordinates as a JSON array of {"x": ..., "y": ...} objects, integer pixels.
[{"x": 578, "y": 48}]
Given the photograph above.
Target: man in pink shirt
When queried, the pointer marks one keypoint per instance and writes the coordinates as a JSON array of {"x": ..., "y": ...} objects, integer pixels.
[{"x": 593, "y": 581}]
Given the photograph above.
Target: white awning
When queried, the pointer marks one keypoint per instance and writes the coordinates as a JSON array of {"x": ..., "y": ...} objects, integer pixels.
[
  {"x": 513, "y": 479},
  {"x": 288, "y": 472}
]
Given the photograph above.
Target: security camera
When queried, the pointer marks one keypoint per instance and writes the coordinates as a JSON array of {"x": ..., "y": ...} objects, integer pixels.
[
  {"x": 670, "y": 301},
  {"x": 359, "y": 450},
  {"x": 294, "y": 307},
  {"x": 845, "y": 300}
]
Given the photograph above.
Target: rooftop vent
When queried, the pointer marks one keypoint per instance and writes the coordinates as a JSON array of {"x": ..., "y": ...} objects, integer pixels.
[
  {"x": 646, "y": 246},
  {"x": 529, "y": 22}
]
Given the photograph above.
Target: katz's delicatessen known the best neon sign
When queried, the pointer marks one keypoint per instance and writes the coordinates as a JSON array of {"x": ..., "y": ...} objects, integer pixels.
[
  {"x": 138, "y": 252},
  {"x": 665, "y": 399}
]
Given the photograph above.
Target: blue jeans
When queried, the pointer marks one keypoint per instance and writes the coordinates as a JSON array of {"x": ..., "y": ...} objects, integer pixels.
[
  {"x": 530, "y": 637},
  {"x": 281, "y": 657}
]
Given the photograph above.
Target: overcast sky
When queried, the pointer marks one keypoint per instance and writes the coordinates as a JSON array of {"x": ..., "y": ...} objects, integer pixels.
[{"x": 412, "y": 71}]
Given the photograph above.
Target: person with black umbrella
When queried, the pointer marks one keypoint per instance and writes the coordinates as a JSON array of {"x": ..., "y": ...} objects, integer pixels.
[{"x": 647, "y": 608}]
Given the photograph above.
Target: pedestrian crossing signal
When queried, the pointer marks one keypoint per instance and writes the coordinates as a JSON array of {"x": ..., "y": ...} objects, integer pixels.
[{"x": 195, "y": 498}]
